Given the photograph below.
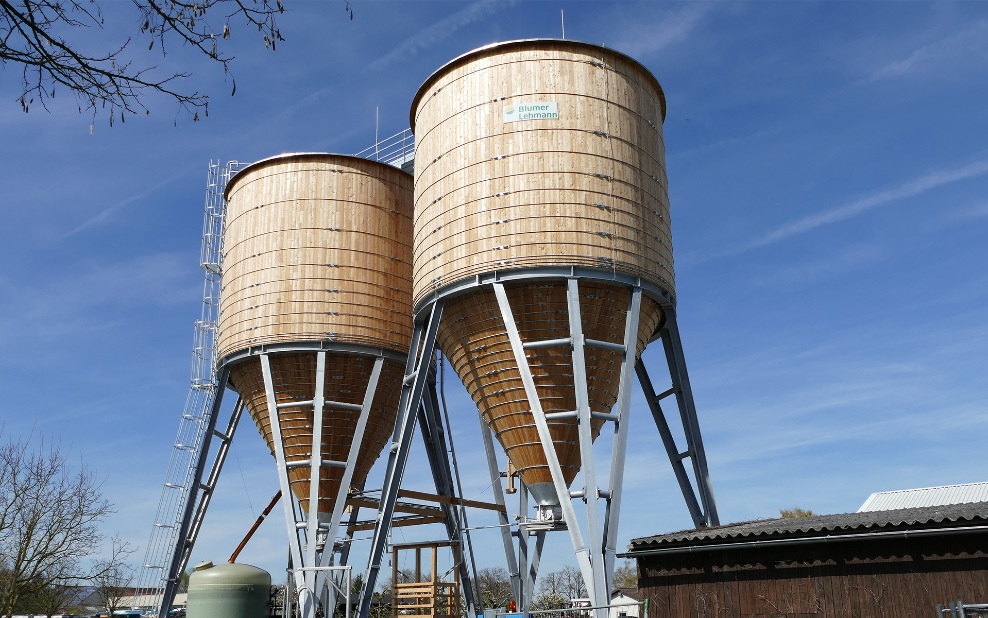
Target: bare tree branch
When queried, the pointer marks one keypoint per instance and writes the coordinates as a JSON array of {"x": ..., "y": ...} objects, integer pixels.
[
  {"x": 50, "y": 517},
  {"x": 33, "y": 35}
]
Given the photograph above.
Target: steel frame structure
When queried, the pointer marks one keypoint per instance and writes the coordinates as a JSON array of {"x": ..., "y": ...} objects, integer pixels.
[
  {"x": 596, "y": 547},
  {"x": 312, "y": 544}
]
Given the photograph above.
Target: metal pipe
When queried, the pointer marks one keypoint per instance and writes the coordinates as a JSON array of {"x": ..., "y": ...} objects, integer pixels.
[{"x": 253, "y": 529}]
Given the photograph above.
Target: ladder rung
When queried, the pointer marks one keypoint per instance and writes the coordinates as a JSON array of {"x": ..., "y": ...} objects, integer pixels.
[
  {"x": 548, "y": 343},
  {"x": 605, "y": 345},
  {"x": 665, "y": 394},
  {"x": 344, "y": 406}
]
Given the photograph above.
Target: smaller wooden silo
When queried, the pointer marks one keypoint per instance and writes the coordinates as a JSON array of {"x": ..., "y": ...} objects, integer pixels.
[{"x": 317, "y": 258}]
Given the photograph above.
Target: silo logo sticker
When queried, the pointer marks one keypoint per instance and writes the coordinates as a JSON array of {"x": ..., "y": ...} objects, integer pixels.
[{"x": 534, "y": 110}]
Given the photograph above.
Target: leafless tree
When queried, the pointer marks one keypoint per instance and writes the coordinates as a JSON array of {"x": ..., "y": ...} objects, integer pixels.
[
  {"x": 46, "y": 39},
  {"x": 113, "y": 576},
  {"x": 50, "y": 516},
  {"x": 567, "y": 582}
]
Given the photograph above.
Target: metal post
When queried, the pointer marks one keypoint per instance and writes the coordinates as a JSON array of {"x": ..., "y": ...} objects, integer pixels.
[
  {"x": 533, "y": 570},
  {"x": 183, "y": 548},
  {"x": 413, "y": 384},
  {"x": 687, "y": 409},
  {"x": 431, "y": 428},
  {"x": 305, "y": 599},
  {"x": 509, "y": 548},
  {"x": 523, "y": 599},
  {"x": 620, "y": 446},
  {"x": 596, "y": 585},
  {"x": 315, "y": 464},
  {"x": 538, "y": 416}
]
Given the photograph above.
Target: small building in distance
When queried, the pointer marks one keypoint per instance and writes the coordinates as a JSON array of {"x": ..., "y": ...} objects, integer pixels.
[
  {"x": 624, "y": 603},
  {"x": 967, "y": 493},
  {"x": 901, "y": 562}
]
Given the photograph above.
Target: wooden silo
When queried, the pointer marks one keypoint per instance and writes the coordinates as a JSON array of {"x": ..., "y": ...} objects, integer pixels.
[
  {"x": 317, "y": 261},
  {"x": 536, "y": 161}
]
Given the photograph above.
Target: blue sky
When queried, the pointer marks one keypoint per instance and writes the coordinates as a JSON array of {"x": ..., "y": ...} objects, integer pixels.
[{"x": 828, "y": 173}]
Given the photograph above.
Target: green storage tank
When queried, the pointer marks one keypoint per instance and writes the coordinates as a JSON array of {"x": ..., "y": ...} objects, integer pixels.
[{"x": 228, "y": 591}]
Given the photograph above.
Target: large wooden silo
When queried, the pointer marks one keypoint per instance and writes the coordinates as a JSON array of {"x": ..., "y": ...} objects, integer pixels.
[
  {"x": 317, "y": 260},
  {"x": 537, "y": 160}
]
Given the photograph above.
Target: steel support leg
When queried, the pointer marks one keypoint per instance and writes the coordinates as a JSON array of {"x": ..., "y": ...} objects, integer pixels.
[
  {"x": 687, "y": 409},
  {"x": 538, "y": 416},
  {"x": 198, "y": 494},
  {"x": 597, "y": 584},
  {"x": 315, "y": 466},
  {"x": 306, "y": 599},
  {"x": 433, "y": 436},
  {"x": 699, "y": 501},
  {"x": 619, "y": 447},
  {"x": 413, "y": 385},
  {"x": 495, "y": 472},
  {"x": 351, "y": 465}
]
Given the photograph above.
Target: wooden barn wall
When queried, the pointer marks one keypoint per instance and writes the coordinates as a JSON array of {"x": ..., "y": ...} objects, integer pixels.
[{"x": 890, "y": 578}]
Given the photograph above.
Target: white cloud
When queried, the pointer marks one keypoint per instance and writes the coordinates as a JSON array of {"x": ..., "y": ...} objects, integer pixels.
[
  {"x": 77, "y": 303},
  {"x": 441, "y": 30},
  {"x": 970, "y": 44},
  {"x": 844, "y": 260},
  {"x": 912, "y": 188},
  {"x": 104, "y": 214},
  {"x": 641, "y": 40}
]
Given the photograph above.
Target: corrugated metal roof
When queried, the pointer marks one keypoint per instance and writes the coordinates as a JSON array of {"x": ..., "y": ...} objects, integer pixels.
[
  {"x": 926, "y": 496},
  {"x": 822, "y": 526}
]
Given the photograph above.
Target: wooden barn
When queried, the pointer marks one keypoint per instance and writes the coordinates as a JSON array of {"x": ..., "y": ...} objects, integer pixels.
[{"x": 893, "y": 563}]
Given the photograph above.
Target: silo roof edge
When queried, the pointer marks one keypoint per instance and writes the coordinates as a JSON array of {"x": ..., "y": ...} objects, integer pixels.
[{"x": 518, "y": 42}]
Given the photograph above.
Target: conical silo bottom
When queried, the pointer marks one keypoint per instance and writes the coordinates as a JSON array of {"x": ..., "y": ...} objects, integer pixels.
[
  {"x": 294, "y": 379},
  {"x": 473, "y": 337}
]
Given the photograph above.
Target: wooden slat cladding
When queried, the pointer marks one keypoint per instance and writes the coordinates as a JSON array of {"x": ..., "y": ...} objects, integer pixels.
[
  {"x": 586, "y": 189},
  {"x": 346, "y": 380},
  {"x": 472, "y": 335},
  {"x": 904, "y": 578},
  {"x": 317, "y": 248}
]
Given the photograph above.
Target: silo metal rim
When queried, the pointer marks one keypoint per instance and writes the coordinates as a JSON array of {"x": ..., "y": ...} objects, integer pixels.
[
  {"x": 301, "y": 155},
  {"x": 339, "y": 347},
  {"x": 545, "y": 273},
  {"x": 455, "y": 62}
]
